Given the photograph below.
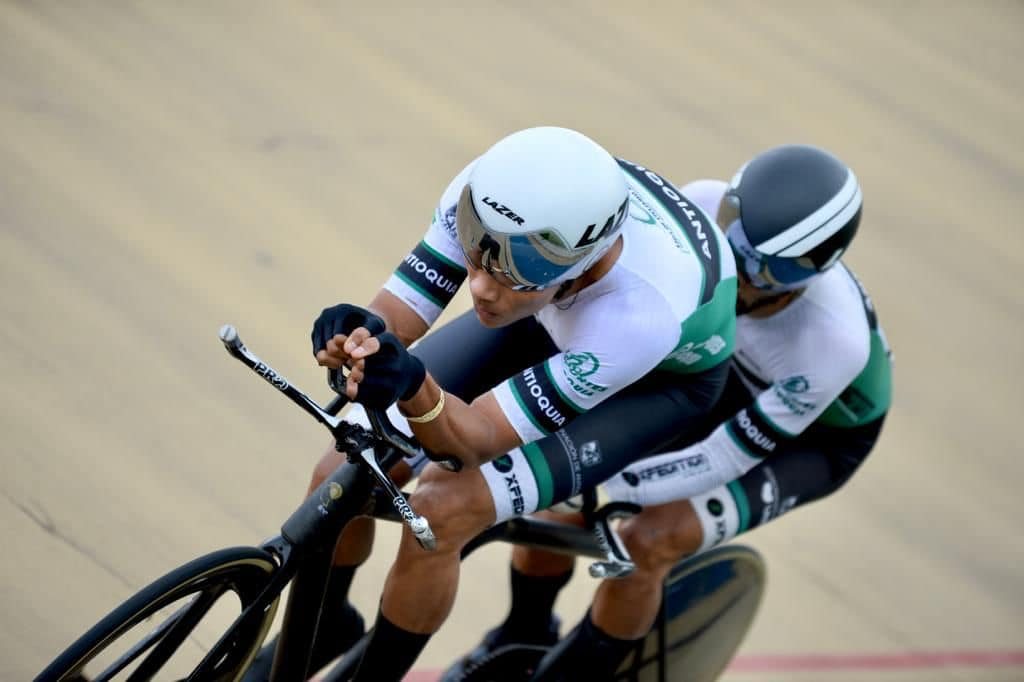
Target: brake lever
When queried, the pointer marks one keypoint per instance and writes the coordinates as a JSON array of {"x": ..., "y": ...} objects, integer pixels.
[
  {"x": 419, "y": 525},
  {"x": 382, "y": 425}
]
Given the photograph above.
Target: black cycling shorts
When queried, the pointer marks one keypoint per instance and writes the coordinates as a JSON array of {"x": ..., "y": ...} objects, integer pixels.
[
  {"x": 814, "y": 464},
  {"x": 468, "y": 359}
]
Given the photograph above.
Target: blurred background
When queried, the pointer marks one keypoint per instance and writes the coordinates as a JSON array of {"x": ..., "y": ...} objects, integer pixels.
[{"x": 166, "y": 168}]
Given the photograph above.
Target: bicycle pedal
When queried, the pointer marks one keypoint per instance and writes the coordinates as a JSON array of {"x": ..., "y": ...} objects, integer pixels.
[{"x": 611, "y": 569}]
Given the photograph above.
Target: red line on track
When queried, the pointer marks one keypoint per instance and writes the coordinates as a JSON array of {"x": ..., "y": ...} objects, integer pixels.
[
  {"x": 896, "y": 661},
  {"x": 920, "y": 660}
]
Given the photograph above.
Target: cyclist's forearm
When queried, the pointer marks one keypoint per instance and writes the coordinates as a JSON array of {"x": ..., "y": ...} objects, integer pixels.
[
  {"x": 401, "y": 320},
  {"x": 682, "y": 474},
  {"x": 474, "y": 433}
]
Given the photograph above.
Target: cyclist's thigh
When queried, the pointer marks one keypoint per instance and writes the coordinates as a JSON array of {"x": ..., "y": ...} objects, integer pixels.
[
  {"x": 468, "y": 359},
  {"x": 735, "y": 396},
  {"x": 817, "y": 463},
  {"x": 628, "y": 426}
]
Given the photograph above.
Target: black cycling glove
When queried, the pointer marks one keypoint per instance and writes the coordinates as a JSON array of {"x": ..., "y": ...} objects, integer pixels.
[
  {"x": 390, "y": 374},
  {"x": 343, "y": 319}
]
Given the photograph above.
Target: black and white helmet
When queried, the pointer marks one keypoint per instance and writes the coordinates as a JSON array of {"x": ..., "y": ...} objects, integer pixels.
[{"x": 789, "y": 214}]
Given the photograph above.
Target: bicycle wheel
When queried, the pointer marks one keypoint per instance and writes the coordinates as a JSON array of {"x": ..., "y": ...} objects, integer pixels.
[
  {"x": 709, "y": 603},
  {"x": 171, "y": 626}
]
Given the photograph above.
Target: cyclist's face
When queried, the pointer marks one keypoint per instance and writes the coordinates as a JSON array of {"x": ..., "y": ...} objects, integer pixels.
[
  {"x": 497, "y": 305},
  {"x": 750, "y": 300}
]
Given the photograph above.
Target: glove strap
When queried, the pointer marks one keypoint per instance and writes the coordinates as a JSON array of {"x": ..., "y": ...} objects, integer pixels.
[{"x": 432, "y": 415}]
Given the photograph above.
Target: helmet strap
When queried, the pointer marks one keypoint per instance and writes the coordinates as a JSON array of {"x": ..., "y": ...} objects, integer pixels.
[{"x": 563, "y": 289}]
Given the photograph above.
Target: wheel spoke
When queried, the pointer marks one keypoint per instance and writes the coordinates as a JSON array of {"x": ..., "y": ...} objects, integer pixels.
[
  {"x": 140, "y": 647},
  {"x": 185, "y": 622},
  {"x": 144, "y": 634},
  {"x": 243, "y": 629}
]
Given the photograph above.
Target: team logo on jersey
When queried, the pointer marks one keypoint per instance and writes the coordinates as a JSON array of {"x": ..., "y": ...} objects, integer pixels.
[
  {"x": 691, "y": 218},
  {"x": 690, "y": 352},
  {"x": 684, "y": 467},
  {"x": 431, "y": 274},
  {"x": 753, "y": 433},
  {"x": 579, "y": 366},
  {"x": 716, "y": 507},
  {"x": 503, "y": 464},
  {"x": 448, "y": 222},
  {"x": 547, "y": 407},
  {"x": 590, "y": 453},
  {"x": 640, "y": 212},
  {"x": 795, "y": 384},
  {"x": 787, "y": 391}
]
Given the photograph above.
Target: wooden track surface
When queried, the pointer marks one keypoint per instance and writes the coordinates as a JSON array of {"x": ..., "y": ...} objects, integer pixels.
[{"x": 169, "y": 167}]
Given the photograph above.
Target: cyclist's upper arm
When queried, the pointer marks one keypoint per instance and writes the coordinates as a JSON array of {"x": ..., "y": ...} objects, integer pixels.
[
  {"x": 428, "y": 277},
  {"x": 402, "y": 321},
  {"x": 505, "y": 437},
  {"x": 607, "y": 348}
]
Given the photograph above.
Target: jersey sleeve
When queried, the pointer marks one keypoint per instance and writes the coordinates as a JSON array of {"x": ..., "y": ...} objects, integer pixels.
[
  {"x": 802, "y": 393},
  {"x": 600, "y": 360},
  {"x": 693, "y": 470},
  {"x": 428, "y": 278}
]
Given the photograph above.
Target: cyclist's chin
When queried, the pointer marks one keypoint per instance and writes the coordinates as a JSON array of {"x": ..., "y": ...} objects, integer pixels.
[
  {"x": 490, "y": 319},
  {"x": 512, "y": 306}
]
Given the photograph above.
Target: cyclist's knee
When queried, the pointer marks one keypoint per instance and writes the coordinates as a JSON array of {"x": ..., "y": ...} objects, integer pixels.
[
  {"x": 401, "y": 473},
  {"x": 458, "y": 506},
  {"x": 330, "y": 461},
  {"x": 660, "y": 536}
]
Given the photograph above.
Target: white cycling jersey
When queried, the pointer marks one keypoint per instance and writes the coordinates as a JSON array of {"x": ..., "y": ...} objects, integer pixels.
[
  {"x": 667, "y": 303},
  {"x": 823, "y": 358}
]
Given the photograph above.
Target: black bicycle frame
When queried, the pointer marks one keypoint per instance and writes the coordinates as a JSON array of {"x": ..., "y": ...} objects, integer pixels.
[{"x": 306, "y": 544}]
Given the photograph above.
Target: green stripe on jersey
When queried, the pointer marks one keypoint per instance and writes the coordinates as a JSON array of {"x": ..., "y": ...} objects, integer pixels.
[
  {"x": 742, "y": 505},
  {"x": 707, "y": 337},
  {"x": 523, "y": 406},
  {"x": 443, "y": 258},
  {"x": 541, "y": 474},
  {"x": 426, "y": 294},
  {"x": 868, "y": 396},
  {"x": 771, "y": 423}
]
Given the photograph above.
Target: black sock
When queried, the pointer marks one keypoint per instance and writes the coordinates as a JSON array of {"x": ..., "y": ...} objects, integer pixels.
[
  {"x": 390, "y": 653},
  {"x": 340, "y": 623},
  {"x": 587, "y": 653},
  {"x": 533, "y": 600},
  {"x": 339, "y": 584}
]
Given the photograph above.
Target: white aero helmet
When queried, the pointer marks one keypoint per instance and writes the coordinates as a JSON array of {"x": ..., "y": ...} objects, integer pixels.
[{"x": 541, "y": 206}]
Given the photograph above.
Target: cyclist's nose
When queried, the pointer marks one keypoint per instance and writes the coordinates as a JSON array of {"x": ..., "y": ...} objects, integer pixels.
[{"x": 482, "y": 286}]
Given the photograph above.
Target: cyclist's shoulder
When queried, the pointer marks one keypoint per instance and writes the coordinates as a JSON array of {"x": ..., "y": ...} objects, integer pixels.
[
  {"x": 816, "y": 336},
  {"x": 685, "y": 231},
  {"x": 837, "y": 304}
]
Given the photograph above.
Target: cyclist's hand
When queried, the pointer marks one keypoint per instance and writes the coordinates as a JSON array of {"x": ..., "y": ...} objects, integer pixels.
[
  {"x": 332, "y": 329},
  {"x": 382, "y": 371}
]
